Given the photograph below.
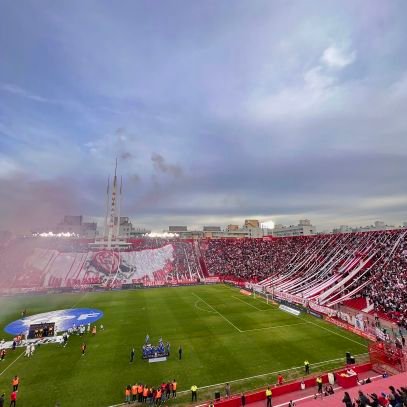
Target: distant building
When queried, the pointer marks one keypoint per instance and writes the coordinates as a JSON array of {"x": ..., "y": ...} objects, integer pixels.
[
  {"x": 127, "y": 230},
  {"x": 304, "y": 228},
  {"x": 251, "y": 224},
  {"x": 72, "y": 220},
  {"x": 378, "y": 225},
  {"x": 75, "y": 224},
  {"x": 342, "y": 229},
  {"x": 212, "y": 228},
  {"x": 177, "y": 229}
]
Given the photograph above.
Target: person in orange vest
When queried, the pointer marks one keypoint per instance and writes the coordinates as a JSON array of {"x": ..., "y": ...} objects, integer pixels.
[
  {"x": 140, "y": 392},
  {"x": 13, "y": 399},
  {"x": 174, "y": 389},
  {"x": 127, "y": 394},
  {"x": 158, "y": 396},
  {"x": 145, "y": 393},
  {"x": 15, "y": 382},
  {"x": 134, "y": 392}
]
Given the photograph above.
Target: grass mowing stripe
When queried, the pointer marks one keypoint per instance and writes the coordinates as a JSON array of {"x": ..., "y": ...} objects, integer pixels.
[
  {"x": 336, "y": 333},
  {"x": 210, "y": 306},
  {"x": 274, "y": 327},
  {"x": 321, "y": 327},
  {"x": 202, "y": 309},
  {"x": 325, "y": 362},
  {"x": 12, "y": 363},
  {"x": 244, "y": 302},
  {"x": 213, "y": 351},
  {"x": 80, "y": 300}
]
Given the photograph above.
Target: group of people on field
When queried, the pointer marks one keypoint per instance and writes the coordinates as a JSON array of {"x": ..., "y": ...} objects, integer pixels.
[
  {"x": 145, "y": 394},
  {"x": 15, "y": 382},
  {"x": 152, "y": 351}
]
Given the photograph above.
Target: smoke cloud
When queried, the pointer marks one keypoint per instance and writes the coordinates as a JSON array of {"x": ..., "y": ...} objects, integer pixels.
[
  {"x": 160, "y": 165},
  {"x": 29, "y": 204},
  {"x": 126, "y": 156}
]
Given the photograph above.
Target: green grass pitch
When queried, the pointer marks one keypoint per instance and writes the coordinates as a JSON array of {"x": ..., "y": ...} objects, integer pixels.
[{"x": 226, "y": 337}]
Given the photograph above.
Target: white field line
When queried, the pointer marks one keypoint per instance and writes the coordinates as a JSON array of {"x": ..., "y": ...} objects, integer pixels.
[
  {"x": 308, "y": 322},
  {"x": 222, "y": 316},
  {"x": 244, "y": 302},
  {"x": 12, "y": 363},
  {"x": 259, "y": 298},
  {"x": 80, "y": 300},
  {"x": 319, "y": 326},
  {"x": 322, "y": 327},
  {"x": 333, "y": 332},
  {"x": 274, "y": 327},
  {"x": 202, "y": 309},
  {"x": 270, "y": 373},
  {"x": 259, "y": 375}
]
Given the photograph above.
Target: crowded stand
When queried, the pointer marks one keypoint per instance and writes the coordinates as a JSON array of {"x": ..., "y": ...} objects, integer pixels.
[
  {"x": 325, "y": 269},
  {"x": 388, "y": 286}
]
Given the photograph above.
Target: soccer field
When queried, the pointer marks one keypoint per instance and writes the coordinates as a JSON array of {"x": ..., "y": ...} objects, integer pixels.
[{"x": 225, "y": 336}]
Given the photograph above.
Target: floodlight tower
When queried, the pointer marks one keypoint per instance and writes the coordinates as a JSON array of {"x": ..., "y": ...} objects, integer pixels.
[
  {"x": 113, "y": 211},
  {"x": 105, "y": 226},
  {"x": 119, "y": 204}
]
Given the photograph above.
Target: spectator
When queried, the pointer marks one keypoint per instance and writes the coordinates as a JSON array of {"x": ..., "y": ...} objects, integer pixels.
[{"x": 347, "y": 400}]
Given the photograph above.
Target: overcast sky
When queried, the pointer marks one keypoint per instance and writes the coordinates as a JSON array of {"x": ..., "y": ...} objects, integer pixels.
[{"x": 218, "y": 110}]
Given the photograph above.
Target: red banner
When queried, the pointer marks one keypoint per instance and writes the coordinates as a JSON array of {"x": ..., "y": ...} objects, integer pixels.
[
  {"x": 351, "y": 328},
  {"x": 320, "y": 308}
]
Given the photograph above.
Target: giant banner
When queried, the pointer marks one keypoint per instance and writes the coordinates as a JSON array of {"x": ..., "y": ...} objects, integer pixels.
[{"x": 46, "y": 268}]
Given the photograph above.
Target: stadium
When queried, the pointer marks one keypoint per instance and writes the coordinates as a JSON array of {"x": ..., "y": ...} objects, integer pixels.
[
  {"x": 237, "y": 311},
  {"x": 203, "y": 203}
]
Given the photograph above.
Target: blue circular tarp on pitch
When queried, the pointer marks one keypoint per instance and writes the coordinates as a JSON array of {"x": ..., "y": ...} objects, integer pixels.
[{"x": 64, "y": 319}]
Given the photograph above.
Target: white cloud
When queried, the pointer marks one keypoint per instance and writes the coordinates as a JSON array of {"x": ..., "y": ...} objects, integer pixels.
[
  {"x": 335, "y": 57},
  {"x": 315, "y": 78},
  {"x": 16, "y": 90},
  {"x": 7, "y": 167}
]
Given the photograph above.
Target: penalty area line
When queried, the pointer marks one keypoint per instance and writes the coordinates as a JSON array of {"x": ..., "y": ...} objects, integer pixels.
[
  {"x": 250, "y": 305},
  {"x": 202, "y": 309},
  {"x": 333, "y": 332},
  {"x": 274, "y": 327},
  {"x": 222, "y": 316},
  {"x": 12, "y": 363}
]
